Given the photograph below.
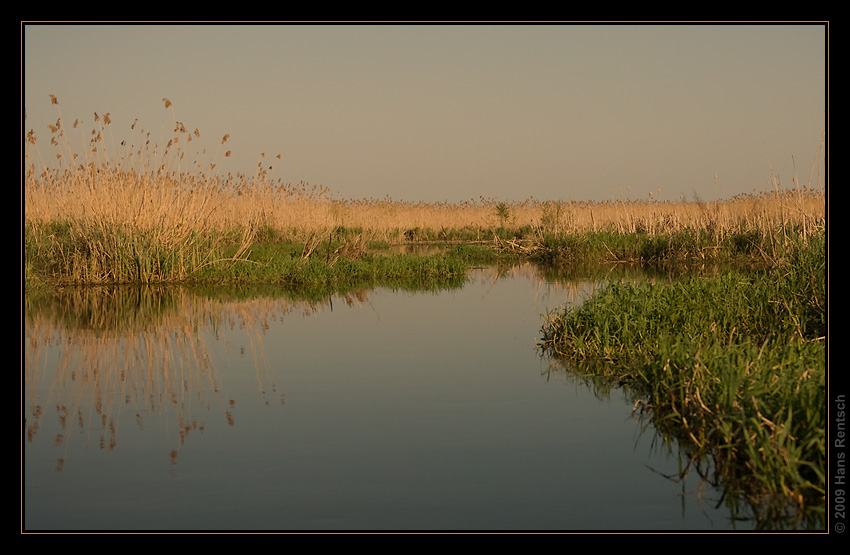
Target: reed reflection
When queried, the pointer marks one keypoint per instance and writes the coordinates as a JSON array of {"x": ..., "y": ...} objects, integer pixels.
[{"x": 92, "y": 354}]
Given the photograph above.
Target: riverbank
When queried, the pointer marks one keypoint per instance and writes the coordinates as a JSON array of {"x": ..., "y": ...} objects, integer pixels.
[
  {"x": 733, "y": 366},
  {"x": 87, "y": 250}
]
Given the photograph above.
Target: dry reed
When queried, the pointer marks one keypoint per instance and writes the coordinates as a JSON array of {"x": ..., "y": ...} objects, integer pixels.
[{"x": 140, "y": 200}]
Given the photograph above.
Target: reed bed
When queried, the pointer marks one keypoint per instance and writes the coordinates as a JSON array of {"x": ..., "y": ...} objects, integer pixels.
[{"x": 149, "y": 211}]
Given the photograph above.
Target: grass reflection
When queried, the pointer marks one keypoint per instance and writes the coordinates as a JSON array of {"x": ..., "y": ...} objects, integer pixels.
[
  {"x": 104, "y": 351},
  {"x": 94, "y": 353}
]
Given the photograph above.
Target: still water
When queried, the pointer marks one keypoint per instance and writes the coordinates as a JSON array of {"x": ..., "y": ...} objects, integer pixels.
[{"x": 377, "y": 410}]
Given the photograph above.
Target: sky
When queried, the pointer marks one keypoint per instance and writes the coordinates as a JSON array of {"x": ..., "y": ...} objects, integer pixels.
[{"x": 455, "y": 112}]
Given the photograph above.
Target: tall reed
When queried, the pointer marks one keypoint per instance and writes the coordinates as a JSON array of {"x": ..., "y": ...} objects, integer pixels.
[{"x": 144, "y": 210}]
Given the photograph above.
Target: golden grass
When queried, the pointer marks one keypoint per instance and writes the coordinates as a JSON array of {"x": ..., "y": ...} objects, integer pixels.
[{"x": 170, "y": 193}]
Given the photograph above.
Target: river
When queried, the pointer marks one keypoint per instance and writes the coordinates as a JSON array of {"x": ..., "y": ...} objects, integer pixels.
[{"x": 376, "y": 410}]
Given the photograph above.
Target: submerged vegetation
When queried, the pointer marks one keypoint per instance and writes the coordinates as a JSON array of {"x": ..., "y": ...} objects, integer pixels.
[{"x": 731, "y": 365}]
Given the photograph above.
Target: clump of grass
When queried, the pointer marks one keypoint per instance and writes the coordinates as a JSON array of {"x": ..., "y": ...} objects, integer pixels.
[
  {"x": 732, "y": 365},
  {"x": 333, "y": 267}
]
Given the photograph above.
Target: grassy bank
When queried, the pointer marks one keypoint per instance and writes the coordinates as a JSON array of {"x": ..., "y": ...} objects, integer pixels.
[
  {"x": 732, "y": 365},
  {"x": 72, "y": 251},
  {"x": 58, "y": 255}
]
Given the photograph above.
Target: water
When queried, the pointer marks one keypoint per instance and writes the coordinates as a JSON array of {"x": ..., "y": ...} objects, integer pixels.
[{"x": 377, "y": 410}]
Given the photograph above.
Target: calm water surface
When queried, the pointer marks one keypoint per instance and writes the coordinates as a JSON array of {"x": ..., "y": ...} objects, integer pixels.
[{"x": 376, "y": 410}]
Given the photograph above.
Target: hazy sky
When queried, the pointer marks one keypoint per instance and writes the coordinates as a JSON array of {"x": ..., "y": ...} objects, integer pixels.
[{"x": 454, "y": 112}]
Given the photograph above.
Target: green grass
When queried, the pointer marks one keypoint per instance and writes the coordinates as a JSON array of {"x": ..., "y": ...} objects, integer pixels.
[
  {"x": 732, "y": 365},
  {"x": 69, "y": 252},
  {"x": 97, "y": 251},
  {"x": 684, "y": 247},
  {"x": 327, "y": 270}
]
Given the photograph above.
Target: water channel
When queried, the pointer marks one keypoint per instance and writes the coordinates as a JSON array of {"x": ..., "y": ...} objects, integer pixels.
[{"x": 179, "y": 409}]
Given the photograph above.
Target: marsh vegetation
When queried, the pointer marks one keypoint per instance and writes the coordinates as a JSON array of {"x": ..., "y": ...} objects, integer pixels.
[
  {"x": 727, "y": 357},
  {"x": 143, "y": 212}
]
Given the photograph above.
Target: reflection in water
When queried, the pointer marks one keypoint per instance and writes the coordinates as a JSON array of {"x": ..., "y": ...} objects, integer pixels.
[
  {"x": 140, "y": 349},
  {"x": 699, "y": 474},
  {"x": 144, "y": 349},
  {"x": 418, "y": 407}
]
